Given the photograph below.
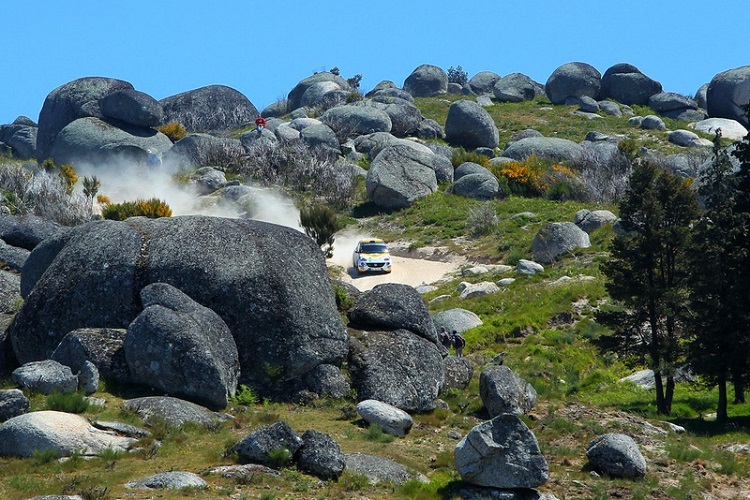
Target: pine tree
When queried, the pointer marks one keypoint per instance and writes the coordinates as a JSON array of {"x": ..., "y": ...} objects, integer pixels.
[
  {"x": 648, "y": 269},
  {"x": 719, "y": 349}
]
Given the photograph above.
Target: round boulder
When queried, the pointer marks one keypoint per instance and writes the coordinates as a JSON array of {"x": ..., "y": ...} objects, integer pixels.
[
  {"x": 256, "y": 447},
  {"x": 12, "y": 404},
  {"x": 170, "y": 480},
  {"x": 295, "y": 96},
  {"x": 65, "y": 433},
  {"x": 502, "y": 391},
  {"x": 516, "y": 87},
  {"x": 501, "y": 453},
  {"x": 727, "y": 93},
  {"x": 544, "y": 147},
  {"x": 95, "y": 140},
  {"x": 400, "y": 175},
  {"x": 590, "y": 221},
  {"x": 427, "y": 81},
  {"x": 391, "y": 419},
  {"x": 398, "y": 368},
  {"x": 132, "y": 107},
  {"x": 227, "y": 265},
  {"x": 177, "y": 346},
  {"x": 46, "y": 377},
  {"x": 730, "y": 129},
  {"x": 456, "y": 319},
  {"x": 556, "y": 239},
  {"x": 101, "y": 346},
  {"x": 320, "y": 456},
  {"x": 480, "y": 186},
  {"x": 470, "y": 125},
  {"x": 574, "y": 79},
  {"x": 209, "y": 109},
  {"x": 483, "y": 82},
  {"x": 627, "y": 84},
  {"x": 616, "y": 455},
  {"x": 349, "y": 120},
  {"x": 68, "y": 102}
]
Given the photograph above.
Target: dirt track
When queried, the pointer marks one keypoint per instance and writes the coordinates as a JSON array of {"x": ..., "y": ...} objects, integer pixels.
[{"x": 425, "y": 269}]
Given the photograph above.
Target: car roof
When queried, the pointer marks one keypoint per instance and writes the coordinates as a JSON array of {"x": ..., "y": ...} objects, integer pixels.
[{"x": 371, "y": 240}]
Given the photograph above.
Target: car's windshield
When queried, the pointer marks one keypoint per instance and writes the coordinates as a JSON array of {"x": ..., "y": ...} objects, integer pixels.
[{"x": 373, "y": 248}]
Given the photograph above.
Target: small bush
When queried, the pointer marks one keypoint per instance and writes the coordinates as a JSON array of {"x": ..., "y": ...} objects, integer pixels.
[
  {"x": 152, "y": 208},
  {"x": 73, "y": 402},
  {"x": 173, "y": 130},
  {"x": 245, "y": 396},
  {"x": 375, "y": 433},
  {"x": 482, "y": 219},
  {"x": 279, "y": 458},
  {"x": 351, "y": 481},
  {"x": 42, "y": 457},
  {"x": 460, "y": 156},
  {"x": 320, "y": 223},
  {"x": 457, "y": 75},
  {"x": 343, "y": 301}
]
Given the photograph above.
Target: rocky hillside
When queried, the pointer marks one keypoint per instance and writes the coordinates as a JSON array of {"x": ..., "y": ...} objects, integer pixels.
[{"x": 219, "y": 357}]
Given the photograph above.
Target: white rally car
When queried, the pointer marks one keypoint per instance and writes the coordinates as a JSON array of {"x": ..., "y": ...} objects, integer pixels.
[{"x": 372, "y": 254}]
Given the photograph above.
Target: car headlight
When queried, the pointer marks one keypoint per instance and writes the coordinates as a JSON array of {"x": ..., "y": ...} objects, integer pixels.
[{"x": 386, "y": 259}]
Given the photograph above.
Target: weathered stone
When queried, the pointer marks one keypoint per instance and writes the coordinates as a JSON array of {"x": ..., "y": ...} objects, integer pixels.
[
  {"x": 12, "y": 404},
  {"x": 468, "y": 124},
  {"x": 529, "y": 267},
  {"x": 556, "y": 239},
  {"x": 483, "y": 82},
  {"x": 480, "y": 186},
  {"x": 133, "y": 107},
  {"x": 391, "y": 419},
  {"x": 400, "y": 175},
  {"x": 398, "y": 368},
  {"x": 208, "y": 109},
  {"x": 320, "y": 456},
  {"x": 350, "y": 120},
  {"x": 502, "y": 391},
  {"x": 65, "y": 433},
  {"x": 170, "y": 480},
  {"x": 727, "y": 93},
  {"x": 257, "y": 446},
  {"x": 616, "y": 455},
  {"x": 174, "y": 411},
  {"x": 456, "y": 319},
  {"x": 470, "y": 290},
  {"x": 88, "y": 378},
  {"x": 501, "y": 453},
  {"x": 378, "y": 469},
  {"x": 426, "y": 81},
  {"x": 101, "y": 346},
  {"x": 516, "y": 87},
  {"x": 45, "y": 377},
  {"x": 590, "y": 221},
  {"x": 573, "y": 80},
  {"x": 458, "y": 372},
  {"x": 544, "y": 147}
]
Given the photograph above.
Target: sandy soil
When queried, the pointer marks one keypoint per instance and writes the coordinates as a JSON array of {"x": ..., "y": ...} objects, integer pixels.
[{"x": 423, "y": 266}]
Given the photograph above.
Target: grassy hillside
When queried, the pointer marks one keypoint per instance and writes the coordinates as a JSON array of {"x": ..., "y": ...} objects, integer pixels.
[{"x": 545, "y": 324}]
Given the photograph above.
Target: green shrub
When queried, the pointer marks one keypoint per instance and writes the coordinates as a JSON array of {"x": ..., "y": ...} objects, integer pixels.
[
  {"x": 351, "y": 481},
  {"x": 42, "y": 457},
  {"x": 320, "y": 223},
  {"x": 152, "y": 208},
  {"x": 482, "y": 219},
  {"x": 461, "y": 156},
  {"x": 245, "y": 396},
  {"x": 72, "y": 402},
  {"x": 343, "y": 301},
  {"x": 375, "y": 433},
  {"x": 457, "y": 75},
  {"x": 279, "y": 458},
  {"x": 173, "y": 130}
]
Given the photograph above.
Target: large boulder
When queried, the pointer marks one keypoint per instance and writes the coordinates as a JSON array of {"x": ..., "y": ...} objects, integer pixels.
[
  {"x": 256, "y": 446},
  {"x": 323, "y": 94},
  {"x": 391, "y": 419},
  {"x": 173, "y": 411},
  {"x": 400, "y": 175},
  {"x": 27, "y": 231},
  {"x": 295, "y": 96},
  {"x": 556, "y": 239},
  {"x": 179, "y": 347},
  {"x": 267, "y": 282},
  {"x": 480, "y": 186},
  {"x": 664, "y": 102},
  {"x": 470, "y": 125},
  {"x": 627, "y": 84},
  {"x": 727, "y": 92},
  {"x": 68, "y": 102},
  {"x": 398, "y": 368},
  {"x": 544, "y": 147},
  {"x": 427, "y": 81},
  {"x": 101, "y": 346},
  {"x": 133, "y": 107},
  {"x": 730, "y": 129},
  {"x": 45, "y": 377},
  {"x": 483, "y": 82},
  {"x": 65, "y": 433},
  {"x": 21, "y": 136},
  {"x": 501, "y": 453},
  {"x": 14, "y": 259},
  {"x": 93, "y": 140},
  {"x": 209, "y": 109},
  {"x": 393, "y": 306},
  {"x": 327, "y": 381},
  {"x": 349, "y": 120},
  {"x": 502, "y": 391},
  {"x": 573, "y": 80},
  {"x": 321, "y": 138},
  {"x": 616, "y": 455},
  {"x": 456, "y": 319},
  {"x": 458, "y": 372},
  {"x": 320, "y": 456},
  {"x": 12, "y": 404},
  {"x": 590, "y": 221},
  {"x": 169, "y": 480},
  {"x": 405, "y": 116},
  {"x": 516, "y": 87}
]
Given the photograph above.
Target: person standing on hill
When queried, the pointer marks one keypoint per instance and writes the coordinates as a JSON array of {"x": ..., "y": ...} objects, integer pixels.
[
  {"x": 445, "y": 339},
  {"x": 458, "y": 344},
  {"x": 260, "y": 122}
]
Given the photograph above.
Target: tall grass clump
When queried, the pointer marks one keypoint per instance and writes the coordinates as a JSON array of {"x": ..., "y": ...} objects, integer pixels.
[
  {"x": 72, "y": 402},
  {"x": 152, "y": 208}
]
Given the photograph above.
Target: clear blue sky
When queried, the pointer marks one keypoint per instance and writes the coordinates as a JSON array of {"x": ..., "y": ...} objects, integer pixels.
[{"x": 264, "y": 47}]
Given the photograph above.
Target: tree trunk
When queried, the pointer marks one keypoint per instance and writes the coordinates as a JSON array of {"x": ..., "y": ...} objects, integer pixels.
[
  {"x": 739, "y": 386},
  {"x": 721, "y": 409},
  {"x": 661, "y": 406},
  {"x": 669, "y": 396}
]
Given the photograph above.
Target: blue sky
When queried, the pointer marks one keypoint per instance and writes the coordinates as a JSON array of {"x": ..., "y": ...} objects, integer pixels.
[{"x": 264, "y": 47}]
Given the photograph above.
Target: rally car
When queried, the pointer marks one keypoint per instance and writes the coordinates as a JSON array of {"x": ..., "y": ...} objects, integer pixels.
[{"x": 370, "y": 255}]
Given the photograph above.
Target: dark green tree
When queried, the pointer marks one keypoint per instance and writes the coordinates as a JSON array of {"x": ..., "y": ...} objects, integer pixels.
[
  {"x": 718, "y": 294},
  {"x": 320, "y": 223},
  {"x": 648, "y": 270}
]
